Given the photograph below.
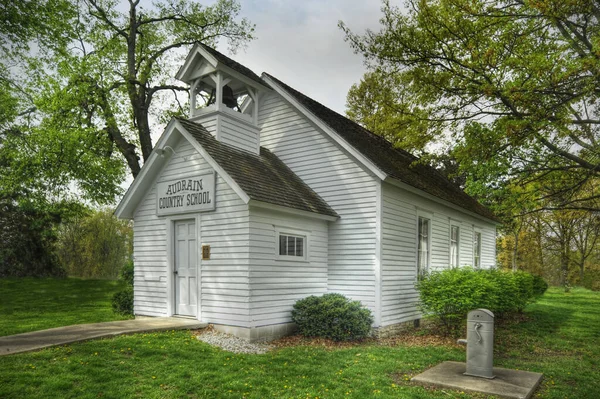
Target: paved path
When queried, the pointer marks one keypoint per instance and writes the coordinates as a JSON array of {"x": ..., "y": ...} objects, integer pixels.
[{"x": 81, "y": 332}]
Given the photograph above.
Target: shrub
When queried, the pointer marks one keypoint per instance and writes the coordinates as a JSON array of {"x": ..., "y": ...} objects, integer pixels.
[
  {"x": 122, "y": 302},
  {"x": 126, "y": 273},
  {"x": 540, "y": 286},
  {"x": 450, "y": 294},
  {"x": 332, "y": 316}
]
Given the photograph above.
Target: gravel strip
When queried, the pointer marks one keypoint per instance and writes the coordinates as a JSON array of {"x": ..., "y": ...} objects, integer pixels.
[{"x": 232, "y": 343}]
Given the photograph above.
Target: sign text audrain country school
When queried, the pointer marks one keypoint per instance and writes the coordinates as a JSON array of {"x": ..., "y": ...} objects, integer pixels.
[{"x": 186, "y": 195}]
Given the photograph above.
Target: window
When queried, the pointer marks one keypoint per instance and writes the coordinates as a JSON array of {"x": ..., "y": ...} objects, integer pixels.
[
  {"x": 290, "y": 245},
  {"x": 477, "y": 250},
  {"x": 454, "y": 234},
  {"x": 423, "y": 246}
]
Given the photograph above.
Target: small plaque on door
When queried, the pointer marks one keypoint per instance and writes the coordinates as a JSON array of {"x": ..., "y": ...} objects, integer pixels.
[{"x": 205, "y": 252}]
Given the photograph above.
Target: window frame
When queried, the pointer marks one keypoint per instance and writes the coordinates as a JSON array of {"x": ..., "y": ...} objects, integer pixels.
[
  {"x": 457, "y": 257},
  {"x": 429, "y": 218},
  {"x": 292, "y": 233},
  {"x": 477, "y": 248}
]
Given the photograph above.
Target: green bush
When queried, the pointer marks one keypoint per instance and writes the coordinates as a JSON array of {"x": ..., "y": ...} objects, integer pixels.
[
  {"x": 122, "y": 301},
  {"x": 126, "y": 273},
  {"x": 332, "y": 316},
  {"x": 450, "y": 294},
  {"x": 540, "y": 286}
]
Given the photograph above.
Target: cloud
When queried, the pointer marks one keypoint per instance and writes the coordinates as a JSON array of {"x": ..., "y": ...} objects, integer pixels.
[{"x": 299, "y": 43}]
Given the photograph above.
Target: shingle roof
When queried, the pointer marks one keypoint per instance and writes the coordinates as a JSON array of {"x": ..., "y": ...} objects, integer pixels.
[
  {"x": 395, "y": 162},
  {"x": 236, "y": 66},
  {"x": 263, "y": 177}
]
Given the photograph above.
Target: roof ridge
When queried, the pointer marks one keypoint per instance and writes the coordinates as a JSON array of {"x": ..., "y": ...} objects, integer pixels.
[
  {"x": 233, "y": 64},
  {"x": 373, "y": 135},
  {"x": 395, "y": 162}
]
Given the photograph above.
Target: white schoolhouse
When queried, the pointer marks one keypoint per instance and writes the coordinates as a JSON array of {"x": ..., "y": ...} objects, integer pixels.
[{"x": 263, "y": 196}]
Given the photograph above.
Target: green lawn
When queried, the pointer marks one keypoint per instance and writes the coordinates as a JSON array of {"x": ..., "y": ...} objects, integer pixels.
[
  {"x": 559, "y": 337},
  {"x": 31, "y": 304}
]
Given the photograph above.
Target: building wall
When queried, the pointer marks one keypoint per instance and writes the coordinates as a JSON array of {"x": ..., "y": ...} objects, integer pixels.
[
  {"x": 236, "y": 130},
  {"x": 345, "y": 186},
  {"x": 224, "y": 288},
  {"x": 277, "y": 283},
  {"x": 401, "y": 209}
]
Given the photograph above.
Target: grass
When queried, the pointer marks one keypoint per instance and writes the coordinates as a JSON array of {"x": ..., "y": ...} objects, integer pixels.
[
  {"x": 558, "y": 336},
  {"x": 31, "y": 304}
]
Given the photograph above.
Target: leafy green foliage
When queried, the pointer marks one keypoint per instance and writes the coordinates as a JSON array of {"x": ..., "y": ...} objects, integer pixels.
[
  {"x": 79, "y": 81},
  {"x": 96, "y": 245},
  {"x": 27, "y": 238},
  {"x": 332, "y": 316},
  {"x": 122, "y": 301},
  {"x": 540, "y": 286},
  {"x": 126, "y": 273},
  {"x": 450, "y": 294},
  {"x": 509, "y": 88}
]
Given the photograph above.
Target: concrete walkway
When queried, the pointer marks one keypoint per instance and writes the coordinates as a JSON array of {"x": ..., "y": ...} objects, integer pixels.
[{"x": 82, "y": 332}]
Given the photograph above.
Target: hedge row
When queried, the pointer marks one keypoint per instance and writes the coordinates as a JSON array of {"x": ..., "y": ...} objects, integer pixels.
[{"x": 450, "y": 294}]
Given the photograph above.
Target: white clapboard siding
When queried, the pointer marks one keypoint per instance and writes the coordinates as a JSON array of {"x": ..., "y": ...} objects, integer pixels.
[
  {"x": 232, "y": 129},
  {"x": 276, "y": 284},
  {"x": 344, "y": 185},
  {"x": 239, "y": 134},
  {"x": 223, "y": 286},
  {"x": 399, "y": 247},
  {"x": 150, "y": 259}
]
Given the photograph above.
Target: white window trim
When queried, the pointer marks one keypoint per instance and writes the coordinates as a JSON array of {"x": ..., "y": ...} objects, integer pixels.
[
  {"x": 477, "y": 230},
  {"x": 426, "y": 215},
  {"x": 456, "y": 224},
  {"x": 297, "y": 233}
]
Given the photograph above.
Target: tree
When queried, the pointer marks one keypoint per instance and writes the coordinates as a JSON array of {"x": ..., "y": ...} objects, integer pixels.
[
  {"x": 585, "y": 239},
  {"x": 123, "y": 63},
  {"x": 87, "y": 78},
  {"x": 515, "y": 84},
  {"x": 96, "y": 245}
]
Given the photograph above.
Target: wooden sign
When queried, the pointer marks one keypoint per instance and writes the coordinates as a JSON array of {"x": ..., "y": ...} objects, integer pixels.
[{"x": 186, "y": 195}]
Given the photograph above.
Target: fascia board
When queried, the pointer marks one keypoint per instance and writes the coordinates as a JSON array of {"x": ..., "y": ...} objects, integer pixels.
[
  {"x": 240, "y": 76},
  {"x": 329, "y": 131},
  {"x": 414, "y": 190},
  {"x": 126, "y": 207},
  {"x": 197, "y": 49}
]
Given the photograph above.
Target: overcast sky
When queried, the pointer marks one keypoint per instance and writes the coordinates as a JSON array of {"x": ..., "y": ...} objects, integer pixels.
[{"x": 298, "y": 42}]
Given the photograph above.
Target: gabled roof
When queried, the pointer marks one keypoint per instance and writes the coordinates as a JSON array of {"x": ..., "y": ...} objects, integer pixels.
[
  {"x": 394, "y": 162},
  {"x": 236, "y": 66},
  {"x": 264, "y": 177},
  {"x": 215, "y": 60}
]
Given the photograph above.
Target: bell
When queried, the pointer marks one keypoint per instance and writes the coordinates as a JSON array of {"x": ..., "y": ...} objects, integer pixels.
[{"x": 228, "y": 98}]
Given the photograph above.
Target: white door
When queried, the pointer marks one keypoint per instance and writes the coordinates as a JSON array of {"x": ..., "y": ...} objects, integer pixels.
[{"x": 186, "y": 284}]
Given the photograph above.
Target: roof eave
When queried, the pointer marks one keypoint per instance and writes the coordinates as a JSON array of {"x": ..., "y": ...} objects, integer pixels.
[
  {"x": 367, "y": 163},
  {"x": 136, "y": 191},
  {"x": 294, "y": 211},
  {"x": 394, "y": 181}
]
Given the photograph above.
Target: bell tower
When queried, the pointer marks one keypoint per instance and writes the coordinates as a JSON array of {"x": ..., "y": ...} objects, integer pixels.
[{"x": 224, "y": 97}]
